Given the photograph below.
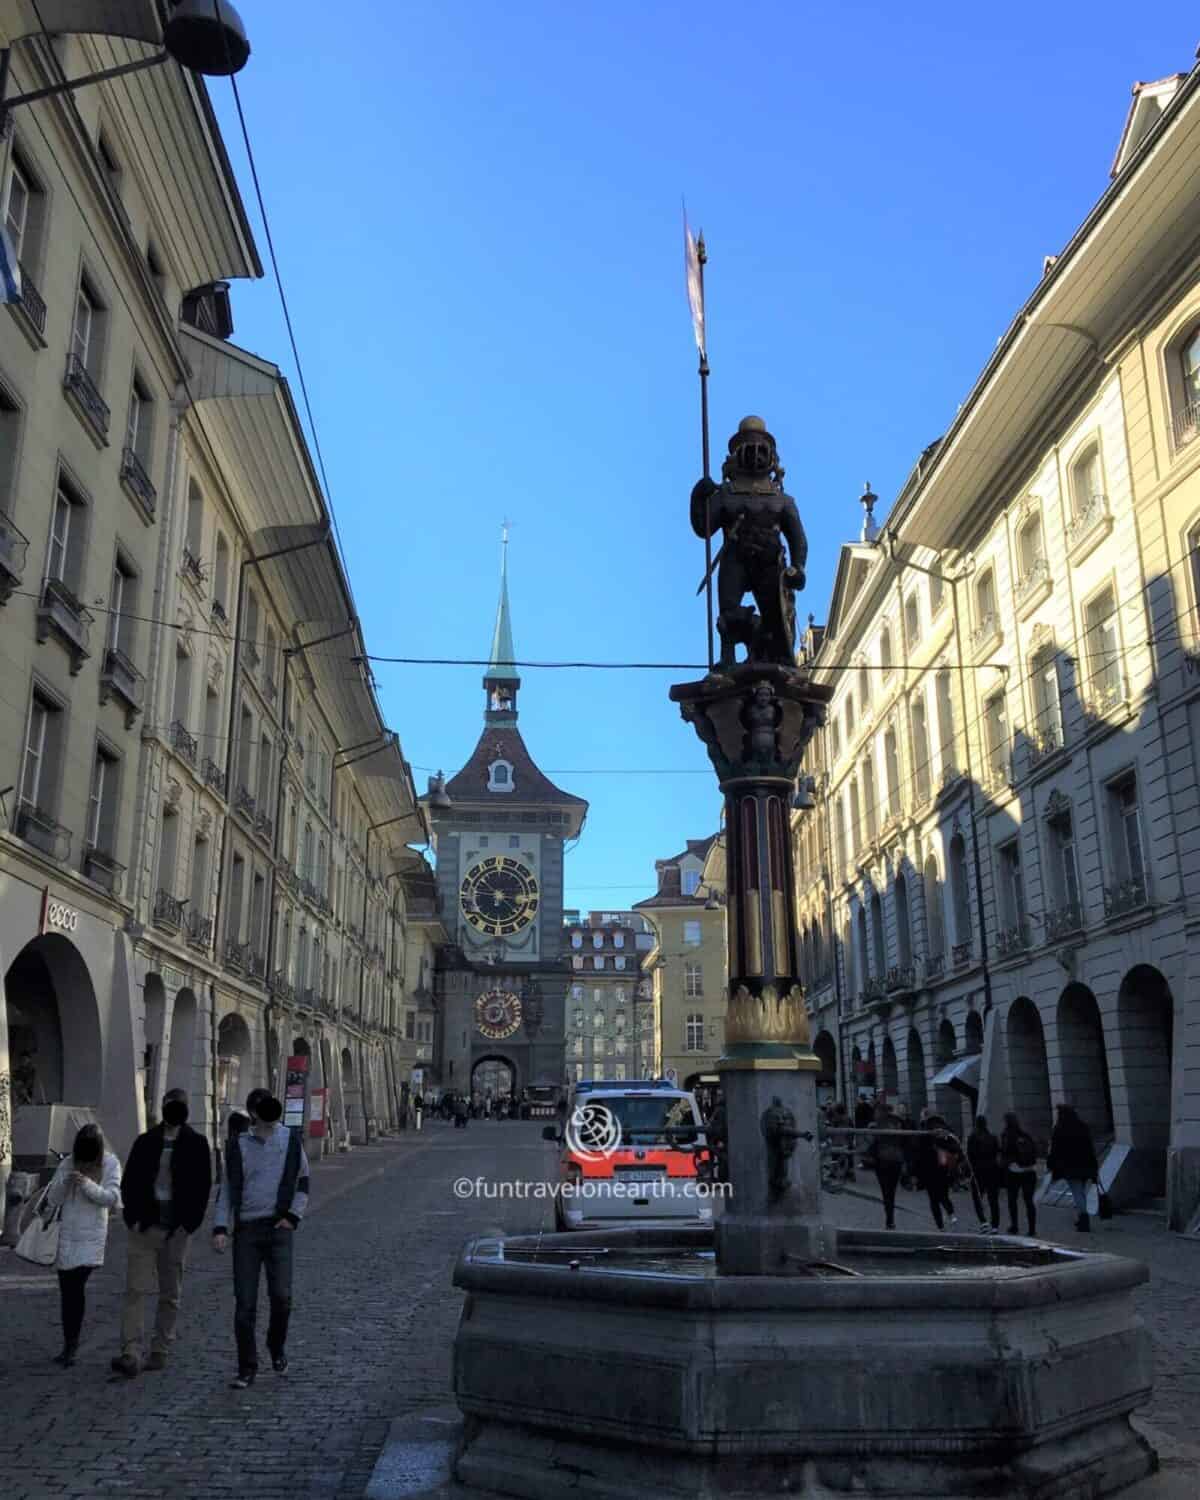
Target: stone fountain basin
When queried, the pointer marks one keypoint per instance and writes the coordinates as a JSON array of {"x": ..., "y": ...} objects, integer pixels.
[{"x": 948, "y": 1366}]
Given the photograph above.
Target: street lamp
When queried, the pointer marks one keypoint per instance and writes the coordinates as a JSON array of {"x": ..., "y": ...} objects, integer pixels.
[{"x": 203, "y": 36}]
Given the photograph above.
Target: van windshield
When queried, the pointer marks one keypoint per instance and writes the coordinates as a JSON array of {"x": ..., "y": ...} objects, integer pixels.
[{"x": 649, "y": 1119}]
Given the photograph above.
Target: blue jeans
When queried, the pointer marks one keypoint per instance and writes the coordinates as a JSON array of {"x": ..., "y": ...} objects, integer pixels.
[
  {"x": 1079, "y": 1195},
  {"x": 255, "y": 1245}
]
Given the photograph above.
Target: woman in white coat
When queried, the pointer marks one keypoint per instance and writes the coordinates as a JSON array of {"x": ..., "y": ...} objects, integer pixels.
[{"x": 86, "y": 1186}]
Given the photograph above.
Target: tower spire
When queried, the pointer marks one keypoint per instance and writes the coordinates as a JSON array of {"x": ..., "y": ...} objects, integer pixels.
[{"x": 502, "y": 679}]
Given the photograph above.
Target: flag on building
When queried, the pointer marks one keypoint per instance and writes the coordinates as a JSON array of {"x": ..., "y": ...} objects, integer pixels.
[
  {"x": 10, "y": 269},
  {"x": 695, "y": 285}
]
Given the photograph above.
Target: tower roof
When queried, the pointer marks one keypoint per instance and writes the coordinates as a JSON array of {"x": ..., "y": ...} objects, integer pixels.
[{"x": 500, "y": 668}]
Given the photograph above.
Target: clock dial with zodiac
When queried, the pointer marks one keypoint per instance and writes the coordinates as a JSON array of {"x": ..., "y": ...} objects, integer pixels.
[
  {"x": 498, "y": 1014},
  {"x": 499, "y": 896}
]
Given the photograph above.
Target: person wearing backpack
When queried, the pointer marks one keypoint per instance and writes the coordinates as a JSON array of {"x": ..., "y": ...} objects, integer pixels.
[
  {"x": 983, "y": 1153},
  {"x": 885, "y": 1157},
  {"x": 1018, "y": 1156}
]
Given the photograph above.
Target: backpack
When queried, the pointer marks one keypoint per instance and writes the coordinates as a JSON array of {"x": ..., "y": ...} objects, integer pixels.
[{"x": 1024, "y": 1151}]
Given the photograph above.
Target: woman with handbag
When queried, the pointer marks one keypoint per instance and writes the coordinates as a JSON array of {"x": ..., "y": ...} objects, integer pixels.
[{"x": 85, "y": 1187}]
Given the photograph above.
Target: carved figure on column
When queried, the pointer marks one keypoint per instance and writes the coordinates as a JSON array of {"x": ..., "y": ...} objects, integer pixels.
[{"x": 757, "y": 518}]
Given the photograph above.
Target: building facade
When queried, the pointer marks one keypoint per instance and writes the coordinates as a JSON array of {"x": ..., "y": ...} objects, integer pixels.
[
  {"x": 687, "y": 965},
  {"x": 499, "y": 829},
  {"x": 999, "y": 882},
  {"x": 204, "y": 809},
  {"x": 607, "y": 994}
]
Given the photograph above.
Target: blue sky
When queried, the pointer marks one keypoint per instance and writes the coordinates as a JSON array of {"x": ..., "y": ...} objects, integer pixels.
[{"x": 477, "y": 210}]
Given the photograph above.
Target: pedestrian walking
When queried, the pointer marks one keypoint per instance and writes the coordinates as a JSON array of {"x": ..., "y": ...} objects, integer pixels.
[
  {"x": 1018, "y": 1160},
  {"x": 937, "y": 1157},
  {"x": 983, "y": 1154},
  {"x": 462, "y": 1112},
  {"x": 885, "y": 1157},
  {"x": 86, "y": 1186},
  {"x": 262, "y": 1199},
  {"x": 165, "y": 1192},
  {"x": 1073, "y": 1157}
]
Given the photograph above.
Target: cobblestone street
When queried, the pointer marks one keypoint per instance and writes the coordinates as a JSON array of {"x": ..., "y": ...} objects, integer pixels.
[{"x": 375, "y": 1317}]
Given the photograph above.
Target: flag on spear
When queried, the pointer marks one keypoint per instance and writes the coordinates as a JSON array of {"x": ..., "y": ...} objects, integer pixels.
[
  {"x": 693, "y": 252},
  {"x": 10, "y": 269}
]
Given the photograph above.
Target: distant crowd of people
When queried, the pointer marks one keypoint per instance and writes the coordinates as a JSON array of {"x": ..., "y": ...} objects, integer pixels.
[{"x": 926, "y": 1155}]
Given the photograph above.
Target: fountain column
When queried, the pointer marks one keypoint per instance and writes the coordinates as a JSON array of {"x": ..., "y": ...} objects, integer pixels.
[{"x": 756, "y": 719}]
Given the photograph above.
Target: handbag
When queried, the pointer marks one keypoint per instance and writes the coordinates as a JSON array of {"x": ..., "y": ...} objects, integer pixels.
[{"x": 38, "y": 1243}]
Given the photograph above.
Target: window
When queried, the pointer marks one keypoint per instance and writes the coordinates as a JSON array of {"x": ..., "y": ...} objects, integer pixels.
[
  {"x": 885, "y": 652},
  {"x": 693, "y": 981},
  {"x": 619, "y": 962},
  {"x": 168, "y": 850},
  {"x": 935, "y": 925},
  {"x": 1087, "y": 480},
  {"x": 195, "y": 521},
  {"x": 598, "y": 961},
  {"x": 258, "y": 904},
  {"x": 1031, "y": 547},
  {"x": 64, "y": 557},
  {"x": 862, "y": 959},
  {"x": 690, "y": 882},
  {"x": 937, "y": 595},
  {"x": 1103, "y": 644},
  {"x": 10, "y": 427},
  {"x": 123, "y": 606},
  {"x": 1064, "y": 872},
  {"x": 995, "y": 734},
  {"x": 912, "y": 621},
  {"x": 154, "y": 264},
  {"x": 199, "y": 895},
  {"x": 891, "y": 771},
  {"x": 856, "y": 827},
  {"x": 919, "y": 734},
  {"x": 944, "y": 697},
  {"x": 576, "y": 940},
  {"x": 577, "y": 962},
  {"x": 960, "y": 895},
  {"x": 43, "y": 750},
  {"x": 221, "y": 578},
  {"x": 16, "y": 208},
  {"x": 618, "y": 939},
  {"x": 864, "y": 688},
  {"x": 1012, "y": 889},
  {"x": 1125, "y": 831},
  {"x": 87, "y": 330},
  {"x": 24, "y": 216},
  {"x": 868, "y": 789},
  {"x": 1043, "y": 672},
  {"x": 903, "y": 926},
  {"x": 849, "y": 717},
  {"x": 139, "y": 429},
  {"x": 619, "y": 1072},
  {"x": 835, "y": 740},
  {"x": 577, "y": 1047},
  {"x": 597, "y": 940},
  {"x": 987, "y": 621},
  {"x": 693, "y": 1040},
  {"x": 840, "y": 834},
  {"x": 264, "y": 775},
  {"x": 691, "y": 934},
  {"x": 878, "y": 937},
  {"x": 514, "y": 841},
  {"x": 598, "y": 1021},
  {"x": 1189, "y": 359}
]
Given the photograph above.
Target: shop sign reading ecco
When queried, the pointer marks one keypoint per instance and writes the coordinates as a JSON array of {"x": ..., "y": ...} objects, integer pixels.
[{"x": 58, "y": 917}]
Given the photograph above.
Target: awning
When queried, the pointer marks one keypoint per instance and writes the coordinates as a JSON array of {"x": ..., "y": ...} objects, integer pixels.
[{"x": 961, "y": 1074}]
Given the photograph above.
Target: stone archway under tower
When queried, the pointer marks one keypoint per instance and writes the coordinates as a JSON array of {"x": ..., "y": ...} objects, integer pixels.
[{"x": 494, "y": 1076}]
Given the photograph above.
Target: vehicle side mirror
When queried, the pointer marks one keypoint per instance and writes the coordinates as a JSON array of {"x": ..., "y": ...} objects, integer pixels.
[{"x": 550, "y": 1133}]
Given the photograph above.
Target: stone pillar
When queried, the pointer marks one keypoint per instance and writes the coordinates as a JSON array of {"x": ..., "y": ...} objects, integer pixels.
[{"x": 756, "y": 721}]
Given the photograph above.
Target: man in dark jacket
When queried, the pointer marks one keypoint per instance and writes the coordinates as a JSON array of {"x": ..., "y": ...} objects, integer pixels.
[
  {"x": 164, "y": 1191},
  {"x": 1073, "y": 1156},
  {"x": 983, "y": 1152}
]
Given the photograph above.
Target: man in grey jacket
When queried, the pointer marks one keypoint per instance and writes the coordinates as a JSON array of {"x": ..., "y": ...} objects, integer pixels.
[{"x": 262, "y": 1199}]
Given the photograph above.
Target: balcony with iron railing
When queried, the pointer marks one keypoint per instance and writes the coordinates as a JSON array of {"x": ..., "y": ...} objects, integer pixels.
[
  {"x": 1185, "y": 424},
  {"x": 183, "y": 744},
  {"x": 30, "y": 308},
  {"x": 84, "y": 395},
  {"x": 1032, "y": 587},
  {"x": 256, "y": 966},
  {"x": 219, "y": 613},
  {"x": 214, "y": 776},
  {"x": 1088, "y": 527},
  {"x": 192, "y": 569},
  {"x": 138, "y": 484},
  {"x": 986, "y": 635},
  {"x": 935, "y": 967},
  {"x": 1044, "y": 741},
  {"x": 243, "y": 804},
  {"x": 900, "y": 977},
  {"x": 264, "y": 827},
  {"x": 60, "y": 613},
  {"x": 1013, "y": 940},
  {"x": 236, "y": 955},
  {"x": 43, "y": 832},
  {"x": 998, "y": 774},
  {"x": 102, "y": 869},
  {"x": 1063, "y": 921},
  {"x": 1124, "y": 897},
  {"x": 199, "y": 930},
  {"x": 14, "y": 546},
  {"x": 1108, "y": 694},
  {"x": 120, "y": 678},
  {"x": 281, "y": 987},
  {"x": 960, "y": 955},
  {"x": 168, "y": 911}
]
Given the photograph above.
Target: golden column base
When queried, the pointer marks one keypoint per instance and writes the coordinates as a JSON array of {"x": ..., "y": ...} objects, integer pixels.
[{"x": 768, "y": 1032}]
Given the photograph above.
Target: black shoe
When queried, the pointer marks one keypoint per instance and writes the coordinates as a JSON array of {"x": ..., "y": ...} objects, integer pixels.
[
  {"x": 67, "y": 1357},
  {"x": 279, "y": 1363},
  {"x": 243, "y": 1380},
  {"x": 1016, "y": 1229},
  {"x": 128, "y": 1365},
  {"x": 1083, "y": 1224}
]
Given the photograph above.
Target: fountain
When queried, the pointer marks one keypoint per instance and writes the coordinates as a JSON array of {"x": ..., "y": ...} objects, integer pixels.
[{"x": 774, "y": 1353}]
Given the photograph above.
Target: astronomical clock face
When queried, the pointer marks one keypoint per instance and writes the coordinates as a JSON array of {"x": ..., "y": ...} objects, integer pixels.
[
  {"x": 499, "y": 896},
  {"x": 498, "y": 1014}
]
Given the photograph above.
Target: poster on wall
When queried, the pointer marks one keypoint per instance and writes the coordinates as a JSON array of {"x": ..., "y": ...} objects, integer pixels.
[
  {"x": 297, "y": 1087},
  {"x": 317, "y": 1112}
]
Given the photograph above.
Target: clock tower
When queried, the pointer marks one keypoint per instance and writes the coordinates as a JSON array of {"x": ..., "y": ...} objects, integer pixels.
[{"x": 499, "y": 826}]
